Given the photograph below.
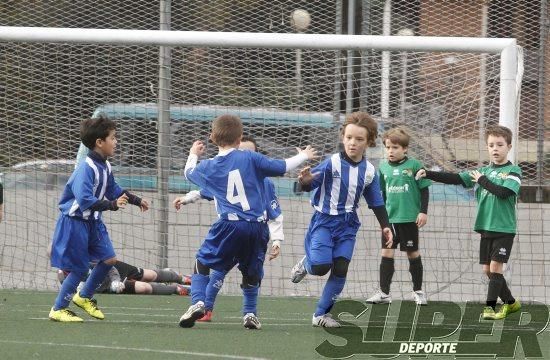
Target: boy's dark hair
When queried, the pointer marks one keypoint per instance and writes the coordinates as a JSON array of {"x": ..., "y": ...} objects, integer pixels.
[
  {"x": 226, "y": 130},
  {"x": 363, "y": 119},
  {"x": 499, "y": 130},
  {"x": 249, "y": 138},
  {"x": 96, "y": 128},
  {"x": 397, "y": 136}
]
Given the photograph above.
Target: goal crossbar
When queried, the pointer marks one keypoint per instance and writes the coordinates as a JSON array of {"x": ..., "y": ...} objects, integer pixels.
[{"x": 510, "y": 53}]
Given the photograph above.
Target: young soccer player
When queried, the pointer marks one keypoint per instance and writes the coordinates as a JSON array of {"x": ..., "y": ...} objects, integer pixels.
[
  {"x": 80, "y": 235},
  {"x": 496, "y": 192},
  {"x": 124, "y": 278},
  {"x": 338, "y": 183},
  {"x": 275, "y": 224},
  {"x": 235, "y": 179},
  {"x": 407, "y": 205}
]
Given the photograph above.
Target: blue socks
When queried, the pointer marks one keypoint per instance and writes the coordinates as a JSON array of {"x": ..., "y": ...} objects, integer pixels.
[
  {"x": 199, "y": 283},
  {"x": 68, "y": 288},
  {"x": 214, "y": 285},
  {"x": 250, "y": 299},
  {"x": 333, "y": 288},
  {"x": 98, "y": 274}
]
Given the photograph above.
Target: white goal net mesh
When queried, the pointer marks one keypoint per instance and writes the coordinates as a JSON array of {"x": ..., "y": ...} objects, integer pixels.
[{"x": 286, "y": 98}]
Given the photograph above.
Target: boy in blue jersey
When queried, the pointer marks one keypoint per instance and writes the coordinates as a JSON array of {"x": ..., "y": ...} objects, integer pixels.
[
  {"x": 275, "y": 224},
  {"x": 338, "y": 183},
  {"x": 235, "y": 179},
  {"x": 497, "y": 187},
  {"x": 80, "y": 235}
]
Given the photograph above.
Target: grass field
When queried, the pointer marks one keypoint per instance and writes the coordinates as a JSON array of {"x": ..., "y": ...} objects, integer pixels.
[{"x": 145, "y": 327}]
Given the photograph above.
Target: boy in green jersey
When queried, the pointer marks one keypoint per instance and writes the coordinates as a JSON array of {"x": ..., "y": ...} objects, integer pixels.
[
  {"x": 407, "y": 205},
  {"x": 496, "y": 192}
]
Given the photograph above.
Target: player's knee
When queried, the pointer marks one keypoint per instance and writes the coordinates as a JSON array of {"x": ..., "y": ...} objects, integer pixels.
[
  {"x": 200, "y": 268},
  {"x": 340, "y": 267},
  {"x": 321, "y": 269},
  {"x": 388, "y": 253},
  {"x": 250, "y": 282}
]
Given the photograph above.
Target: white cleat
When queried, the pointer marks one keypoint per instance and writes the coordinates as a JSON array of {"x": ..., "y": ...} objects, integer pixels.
[
  {"x": 420, "y": 298},
  {"x": 250, "y": 321},
  {"x": 192, "y": 314},
  {"x": 379, "y": 298},
  {"x": 298, "y": 272},
  {"x": 325, "y": 320}
]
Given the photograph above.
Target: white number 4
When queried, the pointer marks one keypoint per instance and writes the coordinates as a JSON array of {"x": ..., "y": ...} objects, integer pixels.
[{"x": 235, "y": 190}]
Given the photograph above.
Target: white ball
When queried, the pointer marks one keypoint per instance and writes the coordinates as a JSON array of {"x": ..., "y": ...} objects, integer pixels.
[{"x": 300, "y": 19}]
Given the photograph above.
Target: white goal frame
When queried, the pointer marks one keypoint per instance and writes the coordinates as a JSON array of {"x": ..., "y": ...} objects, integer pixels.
[{"x": 511, "y": 58}]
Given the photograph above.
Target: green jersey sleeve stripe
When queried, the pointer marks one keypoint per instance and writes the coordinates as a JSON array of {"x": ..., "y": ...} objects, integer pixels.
[{"x": 515, "y": 178}]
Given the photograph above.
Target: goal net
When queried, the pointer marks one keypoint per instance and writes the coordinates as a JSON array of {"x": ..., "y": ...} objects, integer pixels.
[{"x": 286, "y": 97}]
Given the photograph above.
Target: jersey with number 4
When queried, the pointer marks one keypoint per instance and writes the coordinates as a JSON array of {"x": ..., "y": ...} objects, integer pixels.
[{"x": 236, "y": 182}]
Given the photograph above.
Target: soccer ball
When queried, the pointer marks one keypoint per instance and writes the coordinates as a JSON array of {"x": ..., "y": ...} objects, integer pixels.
[{"x": 300, "y": 20}]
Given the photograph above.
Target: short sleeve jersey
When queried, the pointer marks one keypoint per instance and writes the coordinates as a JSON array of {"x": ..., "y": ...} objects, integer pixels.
[
  {"x": 340, "y": 184},
  {"x": 402, "y": 190},
  {"x": 236, "y": 182},
  {"x": 494, "y": 213}
]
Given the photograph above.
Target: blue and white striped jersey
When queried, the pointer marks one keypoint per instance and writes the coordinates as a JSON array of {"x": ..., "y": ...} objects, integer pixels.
[
  {"x": 340, "y": 184},
  {"x": 236, "y": 182},
  {"x": 91, "y": 181}
]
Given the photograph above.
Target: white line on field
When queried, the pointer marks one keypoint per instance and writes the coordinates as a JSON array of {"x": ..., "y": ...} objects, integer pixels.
[{"x": 177, "y": 352}]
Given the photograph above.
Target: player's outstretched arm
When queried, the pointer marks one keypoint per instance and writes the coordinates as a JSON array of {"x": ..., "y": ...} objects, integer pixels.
[
  {"x": 440, "y": 176},
  {"x": 189, "y": 198},
  {"x": 196, "y": 150},
  {"x": 497, "y": 190},
  {"x": 308, "y": 153}
]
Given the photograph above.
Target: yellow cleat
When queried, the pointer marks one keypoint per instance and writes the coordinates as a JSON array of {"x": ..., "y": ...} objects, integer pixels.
[
  {"x": 88, "y": 305},
  {"x": 64, "y": 315},
  {"x": 488, "y": 313},
  {"x": 507, "y": 309}
]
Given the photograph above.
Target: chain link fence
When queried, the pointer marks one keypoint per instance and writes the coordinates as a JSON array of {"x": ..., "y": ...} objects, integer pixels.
[{"x": 444, "y": 100}]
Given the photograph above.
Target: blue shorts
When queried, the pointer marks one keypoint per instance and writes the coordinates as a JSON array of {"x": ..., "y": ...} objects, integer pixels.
[
  {"x": 330, "y": 236},
  {"x": 76, "y": 242},
  {"x": 229, "y": 243}
]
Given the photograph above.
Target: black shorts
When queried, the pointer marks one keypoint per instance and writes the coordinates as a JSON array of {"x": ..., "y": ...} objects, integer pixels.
[
  {"x": 404, "y": 234},
  {"x": 496, "y": 247},
  {"x": 129, "y": 272}
]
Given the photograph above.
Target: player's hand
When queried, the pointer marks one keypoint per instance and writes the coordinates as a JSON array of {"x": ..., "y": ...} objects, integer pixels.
[
  {"x": 198, "y": 148},
  {"x": 420, "y": 174},
  {"x": 178, "y": 202},
  {"x": 306, "y": 177},
  {"x": 421, "y": 220},
  {"x": 144, "y": 206},
  {"x": 122, "y": 201},
  {"x": 275, "y": 250},
  {"x": 475, "y": 175},
  {"x": 309, "y": 151},
  {"x": 388, "y": 235}
]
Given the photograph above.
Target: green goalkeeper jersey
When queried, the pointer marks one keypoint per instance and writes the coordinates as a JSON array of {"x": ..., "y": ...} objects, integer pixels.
[
  {"x": 401, "y": 190},
  {"x": 494, "y": 213}
]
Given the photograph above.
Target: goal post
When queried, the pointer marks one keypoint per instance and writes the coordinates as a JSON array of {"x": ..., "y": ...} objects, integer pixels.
[
  {"x": 511, "y": 58},
  {"x": 52, "y": 78}
]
